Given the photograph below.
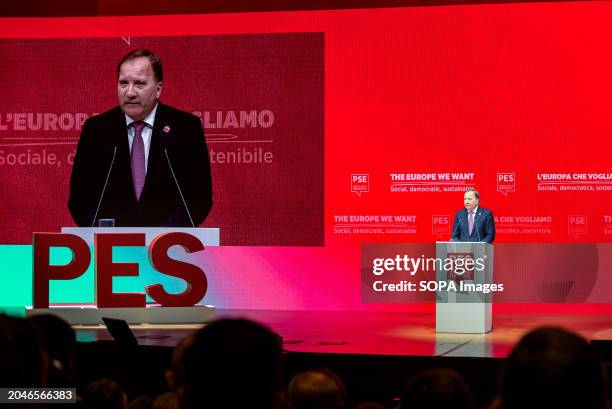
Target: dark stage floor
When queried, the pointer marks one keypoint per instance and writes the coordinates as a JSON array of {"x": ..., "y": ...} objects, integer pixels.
[{"x": 377, "y": 333}]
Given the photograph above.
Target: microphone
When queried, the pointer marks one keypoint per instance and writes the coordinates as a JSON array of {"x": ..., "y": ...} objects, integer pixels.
[
  {"x": 110, "y": 168},
  {"x": 476, "y": 226},
  {"x": 179, "y": 188},
  {"x": 457, "y": 227}
]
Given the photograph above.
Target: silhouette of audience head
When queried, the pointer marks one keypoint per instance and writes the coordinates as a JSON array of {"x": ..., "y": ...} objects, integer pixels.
[
  {"x": 168, "y": 400},
  {"x": 233, "y": 363},
  {"x": 141, "y": 402},
  {"x": 436, "y": 389},
  {"x": 175, "y": 376},
  {"x": 59, "y": 341},
  {"x": 23, "y": 361},
  {"x": 103, "y": 394},
  {"x": 553, "y": 368},
  {"x": 316, "y": 389}
]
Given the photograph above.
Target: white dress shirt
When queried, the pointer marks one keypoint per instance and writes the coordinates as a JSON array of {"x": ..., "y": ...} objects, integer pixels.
[{"x": 474, "y": 211}]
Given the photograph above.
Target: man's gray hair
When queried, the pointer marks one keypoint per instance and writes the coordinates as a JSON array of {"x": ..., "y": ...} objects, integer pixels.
[{"x": 476, "y": 194}]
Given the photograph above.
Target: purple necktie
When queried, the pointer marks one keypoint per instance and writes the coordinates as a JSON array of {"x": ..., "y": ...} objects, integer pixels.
[
  {"x": 138, "y": 158},
  {"x": 471, "y": 222}
]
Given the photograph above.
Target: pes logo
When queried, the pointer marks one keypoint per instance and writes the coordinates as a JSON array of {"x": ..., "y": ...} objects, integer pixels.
[
  {"x": 440, "y": 224},
  {"x": 577, "y": 224},
  {"x": 360, "y": 183},
  {"x": 461, "y": 266},
  {"x": 105, "y": 268},
  {"x": 506, "y": 182}
]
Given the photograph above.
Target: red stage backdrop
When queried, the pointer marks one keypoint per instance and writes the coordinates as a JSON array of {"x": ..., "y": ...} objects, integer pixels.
[{"x": 416, "y": 105}]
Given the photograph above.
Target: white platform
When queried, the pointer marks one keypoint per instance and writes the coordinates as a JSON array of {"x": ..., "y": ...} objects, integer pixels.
[{"x": 91, "y": 315}]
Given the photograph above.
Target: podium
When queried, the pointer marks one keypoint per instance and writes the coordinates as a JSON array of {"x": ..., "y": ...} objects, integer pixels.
[
  {"x": 460, "y": 308},
  {"x": 86, "y": 314}
]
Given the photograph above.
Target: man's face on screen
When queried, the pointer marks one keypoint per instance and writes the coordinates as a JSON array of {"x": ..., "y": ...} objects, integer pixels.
[
  {"x": 470, "y": 201},
  {"x": 137, "y": 88}
]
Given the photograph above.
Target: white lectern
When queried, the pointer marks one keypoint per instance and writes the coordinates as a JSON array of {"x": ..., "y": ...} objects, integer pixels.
[{"x": 464, "y": 310}]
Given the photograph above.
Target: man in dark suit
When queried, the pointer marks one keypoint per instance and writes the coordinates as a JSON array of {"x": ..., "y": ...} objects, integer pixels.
[
  {"x": 141, "y": 163},
  {"x": 474, "y": 223}
]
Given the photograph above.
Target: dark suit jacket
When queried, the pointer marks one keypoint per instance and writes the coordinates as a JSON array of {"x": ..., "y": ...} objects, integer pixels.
[
  {"x": 484, "y": 226},
  {"x": 177, "y": 132}
]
